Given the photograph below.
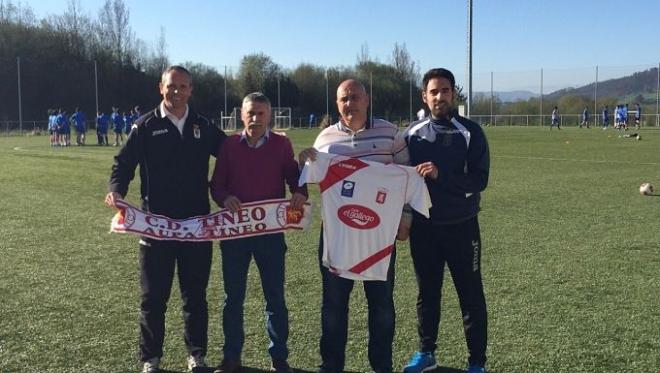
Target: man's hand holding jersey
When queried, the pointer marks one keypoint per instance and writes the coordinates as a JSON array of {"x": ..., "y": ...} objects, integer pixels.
[
  {"x": 427, "y": 169},
  {"x": 309, "y": 153}
]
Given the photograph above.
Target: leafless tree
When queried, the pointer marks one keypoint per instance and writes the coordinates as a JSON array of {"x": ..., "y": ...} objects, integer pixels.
[{"x": 115, "y": 30}]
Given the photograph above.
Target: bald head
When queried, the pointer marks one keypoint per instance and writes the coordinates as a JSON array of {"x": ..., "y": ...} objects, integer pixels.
[
  {"x": 352, "y": 104},
  {"x": 351, "y": 84}
]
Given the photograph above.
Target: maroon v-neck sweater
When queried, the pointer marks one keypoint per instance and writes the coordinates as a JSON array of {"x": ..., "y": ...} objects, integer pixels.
[{"x": 255, "y": 174}]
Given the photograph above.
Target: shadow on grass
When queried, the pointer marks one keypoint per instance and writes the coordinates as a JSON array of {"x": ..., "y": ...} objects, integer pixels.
[
  {"x": 244, "y": 369},
  {"x": 447, "y": 370}
]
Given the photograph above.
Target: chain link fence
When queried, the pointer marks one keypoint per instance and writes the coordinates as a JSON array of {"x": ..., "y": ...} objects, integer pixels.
[{"x": 499, "y": 98}]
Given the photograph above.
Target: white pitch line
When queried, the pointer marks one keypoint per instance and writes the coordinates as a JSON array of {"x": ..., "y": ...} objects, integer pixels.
[{"x": 576, "y": 160}]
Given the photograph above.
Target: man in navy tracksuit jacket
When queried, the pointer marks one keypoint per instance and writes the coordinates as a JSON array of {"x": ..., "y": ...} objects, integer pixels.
[
  {"x": 451, "y": 152},
  {"x": 172, "y": 145}
]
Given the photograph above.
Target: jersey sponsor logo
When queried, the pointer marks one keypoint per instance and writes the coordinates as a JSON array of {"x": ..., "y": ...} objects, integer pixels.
[
  {"x": 159, "y": 132},
  {"x": 347, "y": 188},
  {"x": 359, "y": 217}
]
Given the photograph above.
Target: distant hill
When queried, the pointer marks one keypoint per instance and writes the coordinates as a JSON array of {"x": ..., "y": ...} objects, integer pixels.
[
  {"x": 509, "y": 96},
  {"x": 636, "y": 85},
  {"x": 640, "y": 86}
]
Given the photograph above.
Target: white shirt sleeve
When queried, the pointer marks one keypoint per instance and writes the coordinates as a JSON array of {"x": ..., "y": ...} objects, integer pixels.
[
  {"x": 417, "y": 195},
  {"x": 314, "y": 171}
]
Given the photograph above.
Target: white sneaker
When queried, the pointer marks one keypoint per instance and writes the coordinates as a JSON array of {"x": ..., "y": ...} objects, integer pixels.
[
  {"x": 196, "y": 362},
  {"x": 151, "y": 365}
]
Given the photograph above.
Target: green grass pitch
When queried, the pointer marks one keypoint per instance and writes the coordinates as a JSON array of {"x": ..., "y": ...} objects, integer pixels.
[{"x": 571, "y": 265}]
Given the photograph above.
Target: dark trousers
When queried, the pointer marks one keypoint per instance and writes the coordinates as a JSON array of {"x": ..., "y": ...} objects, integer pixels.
[
  {"x": 157, "y": 262},
  {"x": 268, "y": 252},
  {"x": 334, "y": 319},
  {"x": 458, "y": 245},
  {"x": 102, "y": 138}
]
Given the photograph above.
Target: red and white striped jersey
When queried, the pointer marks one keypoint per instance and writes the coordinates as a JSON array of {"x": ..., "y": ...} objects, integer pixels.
[{"x": 361, "y": 210}]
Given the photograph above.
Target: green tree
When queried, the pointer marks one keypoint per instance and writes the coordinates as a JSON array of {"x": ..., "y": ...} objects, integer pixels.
[
  {"x": 310, "y": 81},
  {"x": 257, "y": 72},
  {"x": 208, "y": 93}
]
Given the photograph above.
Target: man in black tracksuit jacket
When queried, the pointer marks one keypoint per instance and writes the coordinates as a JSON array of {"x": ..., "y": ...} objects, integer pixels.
[
  {"x": 172, "y": 145},
  {"x": 451, "y": 152}
]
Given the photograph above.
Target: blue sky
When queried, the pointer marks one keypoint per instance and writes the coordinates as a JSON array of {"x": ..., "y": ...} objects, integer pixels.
[{"x": 512, "y": 38}]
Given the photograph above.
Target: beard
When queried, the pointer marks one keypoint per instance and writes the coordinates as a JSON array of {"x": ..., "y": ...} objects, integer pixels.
[{"x": 442, "y": 110}]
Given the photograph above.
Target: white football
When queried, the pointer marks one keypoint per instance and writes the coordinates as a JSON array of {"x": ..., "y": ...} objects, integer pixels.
[{"x": 646, "y": 189}]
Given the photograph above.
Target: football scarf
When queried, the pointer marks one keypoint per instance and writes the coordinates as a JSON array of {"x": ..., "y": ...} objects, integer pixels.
[{"x": 254, "y": 219}]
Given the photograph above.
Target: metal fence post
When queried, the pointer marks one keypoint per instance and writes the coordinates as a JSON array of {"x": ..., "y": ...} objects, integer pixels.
[
  {"x": 596, "y": 98},
  {"x": 657, "y": 100},
  {"x": 96, "y": 87},
  {"x": 541, "y": 100},
  {"x": 20, "y": 103}
]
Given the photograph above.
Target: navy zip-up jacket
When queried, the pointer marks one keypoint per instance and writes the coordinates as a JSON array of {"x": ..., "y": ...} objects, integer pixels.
[
  {"x": 174, "y": 168},
  {"x": 459, "y": 149}
]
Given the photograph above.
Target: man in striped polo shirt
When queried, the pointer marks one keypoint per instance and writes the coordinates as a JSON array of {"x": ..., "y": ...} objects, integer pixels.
[{"x": 355, "y": 135}]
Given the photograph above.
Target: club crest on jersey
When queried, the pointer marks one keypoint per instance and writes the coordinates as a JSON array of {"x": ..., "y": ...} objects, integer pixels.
[
  {"x": 381, "y": 196},
  {"x": 196, "y": 132},
  {"x": 447, "y": 139},
  {"x": 347, "y": 188}
]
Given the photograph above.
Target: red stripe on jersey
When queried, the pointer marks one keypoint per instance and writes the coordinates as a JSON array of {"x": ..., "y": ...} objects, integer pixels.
[
  {"x": 339, "y": 171},
  {"x": 373, "y": 259}
]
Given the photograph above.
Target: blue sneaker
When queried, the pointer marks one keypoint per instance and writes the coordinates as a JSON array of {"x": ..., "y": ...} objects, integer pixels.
[
  {"x": 421, "y": 362},
  {"x": 476, "y": 369}
]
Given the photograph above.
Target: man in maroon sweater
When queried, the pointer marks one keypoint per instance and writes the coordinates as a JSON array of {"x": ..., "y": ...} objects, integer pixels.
[{"x": 254, "y": 166}]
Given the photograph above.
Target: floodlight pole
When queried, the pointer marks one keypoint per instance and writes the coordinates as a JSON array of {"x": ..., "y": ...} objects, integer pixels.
[
  {"x": 371, "y": 97},
  {"x": 96, "y": 87},
  {"x": 469, "y": 60},
  {"x": 410, "y": 114},
  {"x": 657, "y": 100},
  {"x": 491, "y": 97},
  {"x": 541, "y": 120},
  {"x": 20, "y": 103},
  {"x": 278, "y": 92},
  {"x": 596, "y": 98},
  {"x": 327, "y": 97},
  {"x": 225, "y": 79}
]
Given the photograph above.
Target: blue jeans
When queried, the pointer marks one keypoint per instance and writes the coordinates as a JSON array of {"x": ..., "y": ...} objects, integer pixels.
[
  {"x": 334, "y": 319},
  {"x": 268, "y": 252}
]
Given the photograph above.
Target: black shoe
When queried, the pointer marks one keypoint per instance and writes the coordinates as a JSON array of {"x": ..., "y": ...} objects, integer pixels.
[
  {"x": 280, "y": 366},
  {"x": 228, "y": 366}
]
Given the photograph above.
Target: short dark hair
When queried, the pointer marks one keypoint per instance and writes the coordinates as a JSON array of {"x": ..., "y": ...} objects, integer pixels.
[
  {"x": 438, "y": 73},
  {"x": 178, "y": 68}
]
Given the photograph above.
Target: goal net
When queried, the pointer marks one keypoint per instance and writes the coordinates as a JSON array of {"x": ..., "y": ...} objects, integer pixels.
[{"x": 281, "y": 119}]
